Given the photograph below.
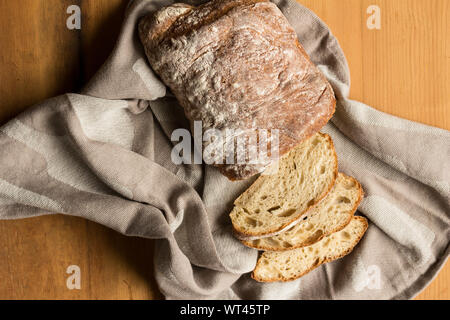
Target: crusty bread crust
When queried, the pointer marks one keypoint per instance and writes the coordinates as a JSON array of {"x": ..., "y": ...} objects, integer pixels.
[
  {"x": 312, "y": 241},
  {"x": 237, "y": 64},
  {"x": 203, "y": 15},
  {"x": 298, "y": 218},
  {"x": 366, "y": 226}
]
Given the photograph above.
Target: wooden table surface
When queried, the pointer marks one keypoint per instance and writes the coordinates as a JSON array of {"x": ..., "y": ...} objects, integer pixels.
[{"x": 402, "y": 69}]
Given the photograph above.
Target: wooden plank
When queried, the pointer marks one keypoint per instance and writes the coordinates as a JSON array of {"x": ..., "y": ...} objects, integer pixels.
[
  {"x": 39, "y": 56},
  {"x": 401, "y": 69},
  {"x": 40, "y": 59},
  {"x": 34, "y": 39}
]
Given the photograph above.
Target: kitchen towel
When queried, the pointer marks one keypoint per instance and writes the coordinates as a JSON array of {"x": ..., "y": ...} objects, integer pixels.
[{"x": 105, "y": 155}]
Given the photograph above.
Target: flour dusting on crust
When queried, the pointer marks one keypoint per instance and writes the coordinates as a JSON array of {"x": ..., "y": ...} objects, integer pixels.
[{"x": 237, "y": 64}]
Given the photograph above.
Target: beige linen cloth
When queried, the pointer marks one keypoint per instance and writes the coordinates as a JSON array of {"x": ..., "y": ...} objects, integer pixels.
[{"x": 104, "y": 155}]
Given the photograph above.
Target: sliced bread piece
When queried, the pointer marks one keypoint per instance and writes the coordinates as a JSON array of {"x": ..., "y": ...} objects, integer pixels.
[
  {"x": 330, "y": 215},
  {"x": 276, "y": 202},
  {"x": 293, "y": 264}
]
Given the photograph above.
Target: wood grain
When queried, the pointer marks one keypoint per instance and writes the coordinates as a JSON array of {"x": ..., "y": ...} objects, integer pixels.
[
  {"x": 42, "y": 58},
  {"x": 402, "y": 69}
]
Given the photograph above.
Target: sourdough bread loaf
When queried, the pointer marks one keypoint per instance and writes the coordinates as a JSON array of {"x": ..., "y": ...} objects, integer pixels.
[
  {"x": 283, "y": 196},
  {"x": 293, "y": 264},
  {"x": 237, "y": 65},
  {"x": 330, "y": 215}
]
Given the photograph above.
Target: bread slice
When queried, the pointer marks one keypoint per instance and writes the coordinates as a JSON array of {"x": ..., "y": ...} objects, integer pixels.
[
  {"x": 276, "y": 202},
  {"x": 293, "y": 264},
  {"x": 330, "y": 215}
]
